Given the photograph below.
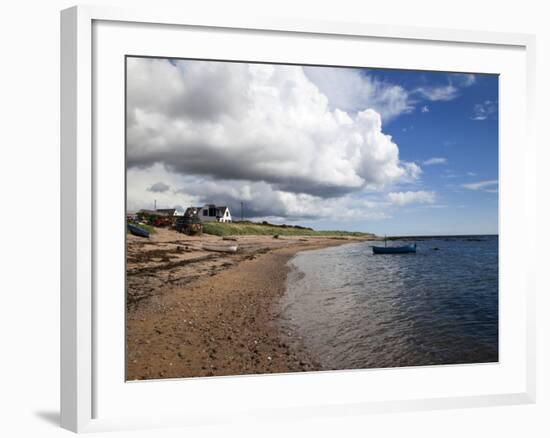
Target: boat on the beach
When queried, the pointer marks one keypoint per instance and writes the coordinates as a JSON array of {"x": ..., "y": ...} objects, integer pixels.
[
  {"x": 219, "y": 248},
  {"x": 137, "y": 231},
  {"x": 406, "y": 249}
]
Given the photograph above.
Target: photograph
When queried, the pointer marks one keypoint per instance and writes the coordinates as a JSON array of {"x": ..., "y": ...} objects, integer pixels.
[{"x": 285, "y": 218}]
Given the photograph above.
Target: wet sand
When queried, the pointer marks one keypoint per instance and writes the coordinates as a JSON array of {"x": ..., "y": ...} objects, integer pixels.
[{"x": 194, "y": 313}]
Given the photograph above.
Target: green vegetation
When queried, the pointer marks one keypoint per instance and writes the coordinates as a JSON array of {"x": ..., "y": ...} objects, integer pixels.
[
  {"x": 267, "y": 229},
  {"x": 149, "y": 228}
]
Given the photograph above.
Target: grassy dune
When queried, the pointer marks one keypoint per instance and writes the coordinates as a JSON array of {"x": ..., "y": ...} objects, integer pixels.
[{"x": 258, "y": 229}]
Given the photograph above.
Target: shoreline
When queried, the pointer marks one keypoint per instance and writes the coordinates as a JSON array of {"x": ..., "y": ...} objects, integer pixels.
[{"x": 192, "y": 313}]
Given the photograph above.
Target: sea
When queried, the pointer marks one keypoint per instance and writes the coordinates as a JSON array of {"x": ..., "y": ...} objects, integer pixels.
[{"x": 353, "y": 309}]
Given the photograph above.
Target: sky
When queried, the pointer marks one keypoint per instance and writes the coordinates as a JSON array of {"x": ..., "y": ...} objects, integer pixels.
[{"x": 386, "y": 151}]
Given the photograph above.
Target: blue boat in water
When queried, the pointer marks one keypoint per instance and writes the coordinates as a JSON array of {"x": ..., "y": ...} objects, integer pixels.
[
  {"x": 137, "y": 231},
  {"x": 407, "y": 249}
]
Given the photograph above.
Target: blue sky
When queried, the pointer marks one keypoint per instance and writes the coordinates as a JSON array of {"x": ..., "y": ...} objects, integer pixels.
[
  {"x": 459, "y": 134},
  {"x": 387, "y": 151}
]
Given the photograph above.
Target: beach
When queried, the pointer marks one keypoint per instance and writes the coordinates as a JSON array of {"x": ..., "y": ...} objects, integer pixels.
[{"x": 194, "y": 313}]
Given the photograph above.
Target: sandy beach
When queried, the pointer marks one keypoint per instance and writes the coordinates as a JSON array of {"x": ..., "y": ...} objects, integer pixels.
[{"x": 193, "y": 312}]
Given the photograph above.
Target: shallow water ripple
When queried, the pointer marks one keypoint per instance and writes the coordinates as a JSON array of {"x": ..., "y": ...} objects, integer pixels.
[{"x": 354, "y": 309}]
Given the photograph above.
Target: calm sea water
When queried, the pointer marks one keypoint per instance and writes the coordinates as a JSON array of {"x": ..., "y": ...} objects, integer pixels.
[{"x": 353, "y": 309}]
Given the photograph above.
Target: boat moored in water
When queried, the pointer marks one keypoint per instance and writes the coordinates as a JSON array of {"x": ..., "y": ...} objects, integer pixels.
[{"x": 406, "y": 249}]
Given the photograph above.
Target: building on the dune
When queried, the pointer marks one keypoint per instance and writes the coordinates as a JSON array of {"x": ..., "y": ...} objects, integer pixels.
[
  {"x": 169, "y": 211},
  {"x": 211, "y": 212}
]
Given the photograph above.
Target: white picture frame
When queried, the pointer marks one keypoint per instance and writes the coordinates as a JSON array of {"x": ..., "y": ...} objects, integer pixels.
[{"x": 80, "y": 339}]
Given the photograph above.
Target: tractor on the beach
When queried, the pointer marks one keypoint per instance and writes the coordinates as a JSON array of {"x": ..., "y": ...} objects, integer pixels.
[{"x": 190, "y": 223}]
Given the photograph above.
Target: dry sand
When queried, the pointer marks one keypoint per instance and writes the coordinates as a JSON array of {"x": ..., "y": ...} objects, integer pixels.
[{"x": 192, "y": 312}]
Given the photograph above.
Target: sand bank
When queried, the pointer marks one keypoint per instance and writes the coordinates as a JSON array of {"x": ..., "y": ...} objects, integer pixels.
[{"x": 192, "y": 312}]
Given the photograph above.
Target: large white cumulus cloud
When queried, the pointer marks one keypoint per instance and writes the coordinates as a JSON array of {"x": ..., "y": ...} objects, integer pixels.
[
  {"x": 348, "y": 89},
  {"x": 265, "y": 127}
]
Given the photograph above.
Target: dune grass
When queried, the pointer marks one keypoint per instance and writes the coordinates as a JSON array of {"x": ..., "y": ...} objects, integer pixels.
[{"x": 259, "y": 229}]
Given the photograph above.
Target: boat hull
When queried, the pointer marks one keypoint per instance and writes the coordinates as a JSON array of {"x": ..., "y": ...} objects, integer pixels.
[
  {"x": 137, "y": 231},
  {"x": 215, "y": 248},
  {"x": 408, "y": 249}
]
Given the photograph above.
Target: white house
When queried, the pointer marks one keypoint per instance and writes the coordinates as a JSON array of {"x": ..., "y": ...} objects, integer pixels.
[
  {"x": 169, "y": 211},
  {"x": 211, "y": 212}
]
